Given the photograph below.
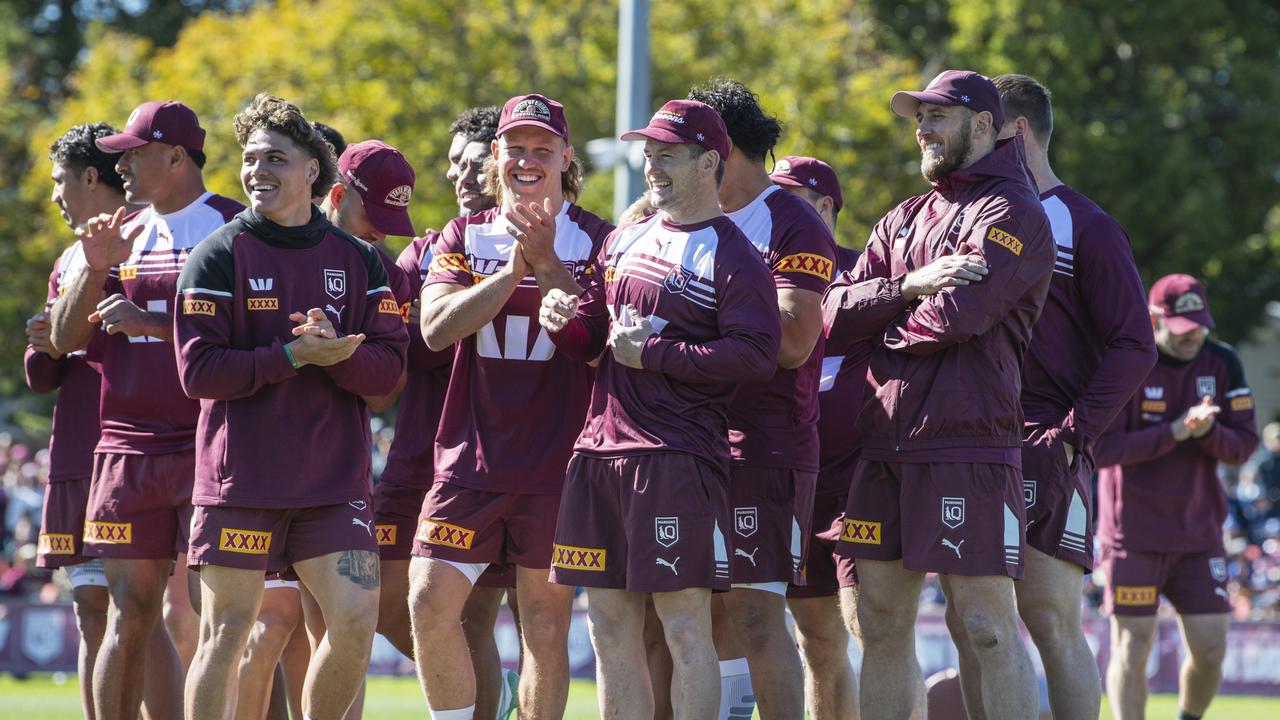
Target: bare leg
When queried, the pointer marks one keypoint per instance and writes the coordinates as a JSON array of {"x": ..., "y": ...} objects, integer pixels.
[
  {"x": 824, "y": 645},
  {"x": 478, "y": 617},
  {"x": 1205, "y": 638},
  {"x": 970, "y": 668},
  {"x": 1049, "y": 603},
  {"x": 438, "y": 592},
  {"x": 887, "y": 603},
  {"x": 393, "y": 606},
  {"x": 137, "y": 596},
  {"x": 617, "y": 629},
  {"x": 230, "y": 598},
  {"x": 658, "y": 658},
  {"x": 90, "y": 603},
  {"x": 294, "y": 662},
  {"x": 695, "y": 674},
  {"x": 988, "y": 610},
  {"x": 162, "y": 687},
  {"x": 280, "y": 614},
  {"x": 545, "y": 610},
  {"x": 1131, "y": 639},
  {"x": 777, "y": 677},
  {"x": 181, "y": 618}
]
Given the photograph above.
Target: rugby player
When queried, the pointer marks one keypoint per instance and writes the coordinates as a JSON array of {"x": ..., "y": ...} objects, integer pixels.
[
  {"x": 1161, "y": 505},
  {"x": 829, "y": 684},
  {"x": 1090, "y": 349},
  {"x": 947, "y": 291},
  {"x": 268, "y": 495},
  {"x": 645, "y": 506},
  {"x": 139, "y": 506},
  {"x": 492, "y": 501},
  {"x": 773, "y": 429}
]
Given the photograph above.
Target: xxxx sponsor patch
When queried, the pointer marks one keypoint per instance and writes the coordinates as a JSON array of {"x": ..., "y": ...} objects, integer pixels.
[
  {"x": 386, "y": 534},
  {"x": 1136, "y": 595},
  {"x": 435, "y": 532},
  {"x": 263, "y": 303},
  {"x": 1154, "y": 406},
  {"x": 450, "y": 262},
  {"x": 249, "y": 542},
  {"x": 860, "y": 531},
  {"x": 1244, "y": 402},
  {"x": 56, "y": 544},
  {"x": 807, "y": 263},
  {"x": 578, "y": 558},
  {"x": 115, "y": 533},
  {"x": 128, "y": 272},
  {"x": 388, "y": 306},
  {"x": 198, "y": 307},
  {"x": 1005, "y": 240}
]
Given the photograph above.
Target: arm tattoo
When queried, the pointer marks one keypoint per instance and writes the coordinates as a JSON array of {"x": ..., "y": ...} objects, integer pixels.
[{"x": 362, "y": 567}]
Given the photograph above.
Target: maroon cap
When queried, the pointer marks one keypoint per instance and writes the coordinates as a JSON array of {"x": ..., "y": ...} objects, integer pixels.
[
  {"x": 807, "y": 172},
  {"x": 167, "y": 122},
  {"x": 384, "y": 180},
  {"x": 1180, "y": 300},
  {"x": 953, "y": 87},
  {"x": 534, "y": 110},
  {"x": 686, "y": 122}
]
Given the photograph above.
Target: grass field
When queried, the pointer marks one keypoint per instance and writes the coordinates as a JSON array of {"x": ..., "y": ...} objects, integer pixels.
[{"x": 41, "y": 698}]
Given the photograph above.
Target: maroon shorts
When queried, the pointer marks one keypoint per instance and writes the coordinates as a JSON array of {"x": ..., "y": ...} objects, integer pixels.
[
  {"x": 139, "y": 505},
  {"x": 463, "y": 525},
  {"x": 62, "y": 524},
  {"x": 1058, "y": 497},
  {"x": 825, "y": 572},
  {"x": 772, "y": 518},
  {"x": 646, "y": 523},
  {"x": 498, "y": 575},
  {"x": 395, "y": 517},
  {"x": 955, "y": 518},
  {"x": 273, "y": 539},
  {"x": 1195, "y": 583}
]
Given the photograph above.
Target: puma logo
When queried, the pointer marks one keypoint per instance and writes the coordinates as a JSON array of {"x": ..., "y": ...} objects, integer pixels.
[
  {"x": 336, "y": 312},
  {"x": 1221, "y": 593},
  {"x": 739, "y": 552},
  {"x": 672, "y": 564},
  {"x": 363, "y": 524},
  {"x": 948, "y": 544}
]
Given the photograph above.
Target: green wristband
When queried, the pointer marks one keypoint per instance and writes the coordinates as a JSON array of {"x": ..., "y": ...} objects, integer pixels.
[{"x": 289, "y": 354}]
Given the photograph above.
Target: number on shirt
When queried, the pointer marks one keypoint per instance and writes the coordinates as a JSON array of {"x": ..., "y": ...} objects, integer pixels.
[
  {"x": 155, "y": 306},
  {"x": 515, "y": 341}
]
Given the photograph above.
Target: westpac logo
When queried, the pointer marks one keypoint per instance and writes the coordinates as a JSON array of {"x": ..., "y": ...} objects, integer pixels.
[
  {"x": 579, "y": 558},
  {"x": 263, "y": 303},
  {"x": 443, "y": 533},
  {"x": 56, "y": 544},
  {"x": 249, "y": 542},
  {"x": 860, "y": 531},
  {"x": 1153, "y": 393},
  {"x": 114, "y": 533},
  {"x": 261, "y": 284}
]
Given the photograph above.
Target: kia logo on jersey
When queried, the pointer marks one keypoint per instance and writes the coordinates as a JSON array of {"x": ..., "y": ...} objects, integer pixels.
[{"x": 335, "y": 283}]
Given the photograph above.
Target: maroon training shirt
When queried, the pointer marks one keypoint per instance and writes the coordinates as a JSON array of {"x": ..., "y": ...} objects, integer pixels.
[
  {"x": 712, "y": 303},
  {"x": 1159, "y": 495},
  {"x": 271, "y": 436},
  {"x": 1092, "y": 344},
  {"x": 775, "y": 423},
  {"x": 78, "y": 382},
  {"x": 841, "y": 390},
  {"x": 144, "y": 410},
  {"x": 514, "y": 404}
]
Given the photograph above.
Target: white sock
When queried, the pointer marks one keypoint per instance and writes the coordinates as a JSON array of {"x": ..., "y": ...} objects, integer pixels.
[
  {"x": 466, "y": 713},
  {"x": 737, "y": 699}
]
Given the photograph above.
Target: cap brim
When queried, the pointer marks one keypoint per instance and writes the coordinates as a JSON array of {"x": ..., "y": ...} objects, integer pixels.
[
  {"x": 389, "y": 221},
  {"x": 531, "y": 123},
  {"x": 905, "y": 103},
  {"x": 658, "y": 134},
  {"x": 786, "y": 180},
  {"x": 120, "y": 142},
  {"x": 1183, "y": 324}
]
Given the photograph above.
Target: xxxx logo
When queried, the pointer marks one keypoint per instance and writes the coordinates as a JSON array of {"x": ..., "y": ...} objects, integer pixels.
[
  {"x": 386, "y": 534},
  {"x": 1005, "y": 240},
  {"x": 198, "y": 307},
  {"x": 807, "y": 263},
  {"x": 442, "y": 533},
  {"x": 389, "y": 306},
  {"x": 108, "y": 532},
  {"x": 249, "y": 542},
  {"x": 404, "y": 312},
  {"x": 450, "y": 261},
  {"x": 128, "y": 272},
  {"x": 263, "y": 303},
  {"x": 1136, "y": 595},
  {"x": 579, "y": 558},
  {"x": 860, "y": 531},
  {"x": 57, "y": 544}
]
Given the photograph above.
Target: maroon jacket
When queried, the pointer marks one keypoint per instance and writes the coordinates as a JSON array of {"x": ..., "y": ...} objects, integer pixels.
[{"x": 946, "y": 369}]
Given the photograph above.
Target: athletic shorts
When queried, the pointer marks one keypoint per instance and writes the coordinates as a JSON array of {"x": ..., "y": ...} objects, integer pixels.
[
  {"x": 273, "y": 539},
  {"x": 644, "y": 523},
  {"x": 825, "y": 572},
  {"x": 1058, "y": 497},
  {"x": 91, "y": 573},
  {"x": 395, "y": 517},
  {"x": 463, "y": 525},
  {"x": 954, "y": 518},
  {"x": 62, "y": 524},
  {"x": 498, "y": 575},
  {"x": 772, "y": 518},
  {"x": 140, "y": 505},
  {"x": 1194, "y": 583}
]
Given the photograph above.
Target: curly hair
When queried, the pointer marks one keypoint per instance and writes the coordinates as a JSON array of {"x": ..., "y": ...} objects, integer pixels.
[
  {"x": 268, "y": 112},
  {"x": 477, "y": 124},
  {"x": 77, "y": 150},
  {"x": 751, "y": 130}
]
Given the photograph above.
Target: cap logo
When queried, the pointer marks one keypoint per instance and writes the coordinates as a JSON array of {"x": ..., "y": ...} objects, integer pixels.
[
  {"x": 669, "y": 117},
  {"x": 701, "y": 137},
  {"x": 532, "y": 108},
  {"x": 782, "y": 166},
  {"x": 157, "y": 134},
  {"x": 400, "y": 196},
  {"x": 351, "y": 175},
  {"x": 813, "y": 181},
  {"x": 1188, "y": 302},
  {"x": 132, "y": 116},
  {"x": 964, "y": 98}
]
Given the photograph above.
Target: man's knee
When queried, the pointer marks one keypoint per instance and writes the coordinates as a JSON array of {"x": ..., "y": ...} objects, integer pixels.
[
  {"x": 91, "y": 612},
  {"x": 1050, "y": 624},
  {"x": 1134, "y": 639},
  {"x": 986, "y": 631},
  {"x": 884, "y": 617},
  {"x": 758, "y": 617},
  {"x": 1208, "y": 649}
]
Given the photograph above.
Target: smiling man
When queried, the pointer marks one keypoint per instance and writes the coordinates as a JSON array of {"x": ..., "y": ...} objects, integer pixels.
[
  {"x": 140, "y": 497},
  {"x": 510, "y": 391},
  {"x": 279, "y": 379},
  {"x": 947, "y": 292}
]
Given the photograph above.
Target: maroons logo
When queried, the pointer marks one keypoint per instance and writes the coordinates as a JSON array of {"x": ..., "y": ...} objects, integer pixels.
[
  {"x": 677, "y": 280},
  {"x": 782, "y": 167},
  {"x": 1188, "y": 302},
  {"x": 666, "y": 530},
  {"x": 532, "y": 109},
  {"x": 335, "y": 283},
  {"x": 400, "y": 196},
  {"x": 953, "y": 512}
]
